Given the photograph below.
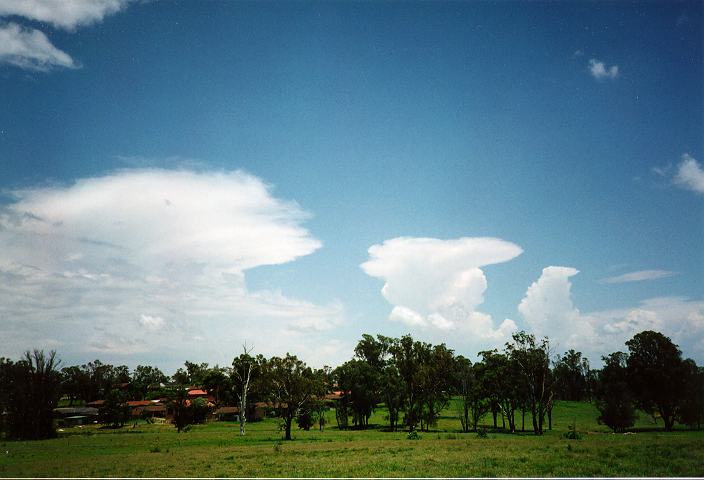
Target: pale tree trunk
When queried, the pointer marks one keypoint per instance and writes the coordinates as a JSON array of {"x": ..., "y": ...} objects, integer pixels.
[
  {"x": 243, "y": 401},
  {"x": 243, "y": 394}
]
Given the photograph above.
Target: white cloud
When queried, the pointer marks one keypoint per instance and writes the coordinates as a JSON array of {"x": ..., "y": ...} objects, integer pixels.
[
  {"x": 67, "y": 14},
  {"x": 690, "y": 175},
  {"x": 107, "y": 263},
  {"x": 548, "y": 310},
  {"x": 31, "y": 49},
  {"x": 639, "y": 276},
  {"x": 599, "y": 70},
  {"x": 436, "y": 285},
  {"x": 151, "y": 323}
]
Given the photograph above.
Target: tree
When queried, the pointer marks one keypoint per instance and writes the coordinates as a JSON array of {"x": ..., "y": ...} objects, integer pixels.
[
  {"x": 571, "y": 375},
  {"x": 407, "y": 359},
  {"x": 691, "y": 411},
  {"x": 178, "y": 400},
  {"x": 501, "y": 380},
  {"x": 245, "y": 368},
  {"x": 473, "y": 403},
  {"x": 533, "y": 360},
  {"x": 392, "y": 393},
  {"x": 31, "y": 388},
  {"x": 115, "y": 412},
  {"x": 390, "y": 388},
  {"x": 145, "y": 376},
  {"x": 613, "y": 396},
  {"x": 73, "y": 380},
  {"x": 657, "y": 375},
  {"x": 291, "y": 384},
  {"x": 360, "y": 383}
]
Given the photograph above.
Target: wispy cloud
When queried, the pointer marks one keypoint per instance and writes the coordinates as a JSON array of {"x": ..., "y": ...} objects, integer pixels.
[
  {"x": 600, "y": 71},
  {"x": 30, "y": 49},
  {"x": 436, "y": 285},
  {"x": 66, "y": 14},
  {"x": 639, "y": 276},
  {"x": 145, "y": 262}
]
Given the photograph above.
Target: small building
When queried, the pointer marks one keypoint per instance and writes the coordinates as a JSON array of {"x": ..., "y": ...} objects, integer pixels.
[
  {"x": 227, "y": 414},
  {"x": 71, "y": 416}
]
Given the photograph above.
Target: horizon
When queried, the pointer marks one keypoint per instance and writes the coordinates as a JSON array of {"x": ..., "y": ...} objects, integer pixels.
[{"x": 191, "y": 177}]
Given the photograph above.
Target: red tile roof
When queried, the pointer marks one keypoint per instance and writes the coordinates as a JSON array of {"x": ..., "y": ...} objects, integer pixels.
[{"x": 194, "y": 393}]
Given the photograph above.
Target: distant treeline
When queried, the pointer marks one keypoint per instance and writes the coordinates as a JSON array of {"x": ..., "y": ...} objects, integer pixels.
[{"x": 414, "y": 380}]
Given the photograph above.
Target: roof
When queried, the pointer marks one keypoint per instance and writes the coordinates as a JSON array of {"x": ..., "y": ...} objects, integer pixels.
[
  {"x": 152, "y": 408},
  {"x": 227, "y": 410},
  {"x": 76, "y": 411},
  {"x": 193, "y": 393},
  {"x": 139, "y": 403},
  {"x": 96, "y": 403},
  {"x": 271, "y": 404}
]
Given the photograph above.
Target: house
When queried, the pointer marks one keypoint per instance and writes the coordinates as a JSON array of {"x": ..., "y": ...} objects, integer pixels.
[
  {"x": 227, "y": 414},
  {"x": 72, "y": 416}
]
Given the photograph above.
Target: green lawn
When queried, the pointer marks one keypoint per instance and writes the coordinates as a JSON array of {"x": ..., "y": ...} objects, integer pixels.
[{"x": 216, "y": 449}]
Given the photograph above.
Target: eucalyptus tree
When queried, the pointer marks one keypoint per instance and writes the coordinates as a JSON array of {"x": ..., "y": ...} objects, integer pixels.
[
  {"x": 533, "y": 361},
  {"x": 291, "y": 383},
  {"x": 246, "y": 370}
]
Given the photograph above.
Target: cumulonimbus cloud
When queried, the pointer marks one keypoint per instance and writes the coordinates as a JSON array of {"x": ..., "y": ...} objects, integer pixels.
[
  {"x": 149, "y": 262},
  {"x": 437, "y": 284},
  {"x": 548, "y": 310}
]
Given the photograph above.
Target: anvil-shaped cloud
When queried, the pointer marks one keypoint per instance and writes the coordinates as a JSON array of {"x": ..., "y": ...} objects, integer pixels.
[{"x": 438, "y": 284}]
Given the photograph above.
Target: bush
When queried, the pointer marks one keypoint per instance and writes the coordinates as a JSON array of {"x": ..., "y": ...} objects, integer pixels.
[
  {"x": 572, "y": 433},
  {"x": 413, "y": 435},
  {"x": 482, "y": 433}
]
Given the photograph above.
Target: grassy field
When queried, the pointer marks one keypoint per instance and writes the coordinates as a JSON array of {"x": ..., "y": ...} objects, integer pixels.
[{"x": 217, "y": 450}]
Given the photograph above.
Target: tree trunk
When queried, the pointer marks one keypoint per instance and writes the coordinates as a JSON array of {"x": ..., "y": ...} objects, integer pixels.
[{"x": 287, "y": 422}]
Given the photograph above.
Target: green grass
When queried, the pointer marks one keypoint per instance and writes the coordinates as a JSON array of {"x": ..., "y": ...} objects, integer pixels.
[{"x": 217, "y": 450}]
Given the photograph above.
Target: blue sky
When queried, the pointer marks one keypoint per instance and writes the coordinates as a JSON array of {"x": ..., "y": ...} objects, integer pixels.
[{"x": 497, "y": 148}]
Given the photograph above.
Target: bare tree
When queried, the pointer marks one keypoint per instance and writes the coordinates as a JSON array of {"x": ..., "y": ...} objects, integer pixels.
[{"x": 242, "y": 368}]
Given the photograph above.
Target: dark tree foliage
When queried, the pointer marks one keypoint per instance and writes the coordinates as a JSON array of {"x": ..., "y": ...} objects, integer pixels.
[
  {"x": 533, "y": 360},
  {"x": 657, "y": 375},
  {"x": 572, "y": 376},
  {"x": 144, "y": 379},
  {"x": 613, "y": 396},
  {"x": 178, "y": 402},
  {"x": 192, "y": 375},
  {"x": 473, "y": 402},
  {"x": 361, "y": 384},
  {"x": 691, "y": 412},
  {"x": 72, "y": 381},
  {"x": 30, "y": 390},
  {"x": 115, "y": 412},
  {"x": 291, "y": 384},
  {"x": 390, "y": 388},
  {"x": 407, "y": 356},
  {"x": 392, "y": 394},
  {"x": 501, "y": 380}
]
